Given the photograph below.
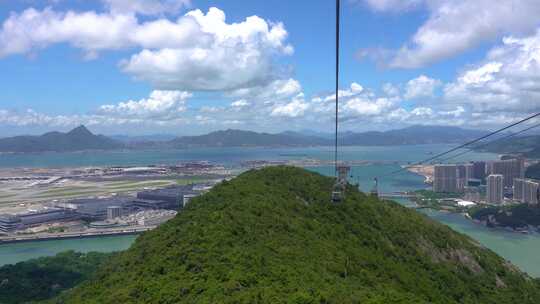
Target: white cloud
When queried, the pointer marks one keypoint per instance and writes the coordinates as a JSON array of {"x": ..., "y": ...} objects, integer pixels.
[
  {"x": 275, "y": 91},
  {"x": 459, "y": 25},
  {"x": 163, "y": 105},
  {"x": 365, "y": 107},
  {"x": 390, "y": 89},
  {"x": 238, "y": 55},
  {"x": 297, "y": 107},
  {"x": 146, "y": 7},
  {"x": 507, "y": 80},
  {"x": 420, "y": 87},
  {"x": 240, "y": 103},
  {"x": 196, "y": 52},
  {"x": 92, "y": 32}
]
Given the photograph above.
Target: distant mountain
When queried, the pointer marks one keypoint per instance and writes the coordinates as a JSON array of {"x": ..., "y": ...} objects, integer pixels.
[
  {"x": 237, "y": 138},
  {"x": 77, "y": 139},
  {"x": 528, "y": 146},
  {"x": 407, "y": 136},
  {"x": 413, "y": 135}
]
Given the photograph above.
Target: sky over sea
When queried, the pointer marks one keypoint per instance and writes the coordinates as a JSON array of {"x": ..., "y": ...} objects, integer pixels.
[{"x": 194, "y": 66}]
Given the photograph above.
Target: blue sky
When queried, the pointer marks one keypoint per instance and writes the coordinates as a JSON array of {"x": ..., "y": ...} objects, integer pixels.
[{"x": 175, "y": 66}]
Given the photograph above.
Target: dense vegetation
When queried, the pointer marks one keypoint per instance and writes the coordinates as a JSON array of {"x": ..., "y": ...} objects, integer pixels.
[
  {"x": 272, "y": 236},
  {"x": 45, "y": 277},
  {"x": 438, "y": 200},
  {"x": 77, "y": 139},
  {"x": 513, "y": 216}
]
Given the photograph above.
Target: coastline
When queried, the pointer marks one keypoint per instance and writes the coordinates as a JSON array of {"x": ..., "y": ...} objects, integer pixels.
[{"x": 71, "y": 235}]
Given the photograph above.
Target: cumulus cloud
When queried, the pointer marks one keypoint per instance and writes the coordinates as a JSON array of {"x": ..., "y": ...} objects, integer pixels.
[
  {"x": 367, "y": 107},
  {"x": 456, "y": 26},
  {"x": 276, "y": 90},
  {"x": 420, "y": 87},
  {"x": 507, "y": 79},
  {"x": 161, "y": 104},
  {"x": 297, "y": 107},
  {"x": 240, "y": 103},
  {"x": 237, "y": 55},
  {"x": 198, "y": 51}
]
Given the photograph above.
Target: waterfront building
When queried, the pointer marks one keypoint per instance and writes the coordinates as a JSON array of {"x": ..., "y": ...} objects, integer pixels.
[
  {"x": 39, "y": 217},
  {"x": 9, "y": 222},
  {"x": 479, "y": 170},
  {"x": 519, "y": 188},
  {"x": 526, "y": 191},
  {"x": 530, "y": 192},
  {"x": 509, "y": 169},
  {"x": 172, "y": 195},
  {"x": 114, "y": 212},
  {"x": 445, "y": 178},
  {"x": 464, "y": 173},
  {"x": 95, "y": 208},
  {"x": 495, "y": 186}
]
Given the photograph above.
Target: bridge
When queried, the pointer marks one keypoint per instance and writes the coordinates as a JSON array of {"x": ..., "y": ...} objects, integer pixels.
[{"x": 397, "y": 195}]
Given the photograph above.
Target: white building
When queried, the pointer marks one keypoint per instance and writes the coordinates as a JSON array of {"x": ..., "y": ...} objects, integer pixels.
[
  {"x": 509, "y": 169},
  {"x": 526, "y": 191},
  {"x": 114, "y": 212},
  {"x": 495, "y": 186}
]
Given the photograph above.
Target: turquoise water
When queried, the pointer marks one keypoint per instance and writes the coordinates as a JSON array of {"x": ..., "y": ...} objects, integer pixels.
[
  {"x": 226, "y": 156},
  {"x": 522, "y": 250},
  {"x": 17, "y": 252}
]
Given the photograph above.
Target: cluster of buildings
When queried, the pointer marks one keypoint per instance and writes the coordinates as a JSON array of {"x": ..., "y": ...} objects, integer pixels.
[
  {"x": 101, "y": 212},
  {"x": 492, "y": 180}
]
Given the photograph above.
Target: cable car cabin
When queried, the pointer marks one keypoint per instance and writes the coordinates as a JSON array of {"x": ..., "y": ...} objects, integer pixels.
[
  {"x": 338, "y": 193},
  {"x": 337, "y": 196},
  {"x": 342, "y": 173}
]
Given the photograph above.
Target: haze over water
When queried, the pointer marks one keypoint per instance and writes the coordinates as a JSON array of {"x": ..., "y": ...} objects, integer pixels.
[{"x": 520, "y": 249}]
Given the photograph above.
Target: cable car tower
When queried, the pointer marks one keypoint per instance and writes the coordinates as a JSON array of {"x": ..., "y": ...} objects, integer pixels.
[
  {"x": 341, "y": 171},
  {"x": 375, "y": 190}
]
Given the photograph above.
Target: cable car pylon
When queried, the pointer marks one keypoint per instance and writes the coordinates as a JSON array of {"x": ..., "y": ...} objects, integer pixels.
[{"x": 375, "y": 190}]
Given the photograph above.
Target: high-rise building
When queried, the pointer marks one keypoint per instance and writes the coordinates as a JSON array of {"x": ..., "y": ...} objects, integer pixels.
[
  {"x": 479, "y": 170},
  {"x": 509, "y": 169},
  {"x": 519, "y": 188},
  {"x": 445, "y": 178},
  {"x": 526, "y": 191},
  {"x": 464, "y": 174},
  {"x": 530, "y": 192},
  {"x": 495, "y": 186},
  {"x": 114, "y": 212}
]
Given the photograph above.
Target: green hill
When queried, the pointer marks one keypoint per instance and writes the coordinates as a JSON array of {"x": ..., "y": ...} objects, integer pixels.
[
  {"x": 271, "y": 236},
  {"x": 46, "y": 277}
]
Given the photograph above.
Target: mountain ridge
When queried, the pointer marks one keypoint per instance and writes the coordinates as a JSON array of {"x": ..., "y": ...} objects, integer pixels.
[
  {"x": 80, "y": 138},
  {"x": 406, "y": 136}
]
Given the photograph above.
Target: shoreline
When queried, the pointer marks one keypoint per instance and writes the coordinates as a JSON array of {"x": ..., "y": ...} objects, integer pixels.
[{"x": 67, "y": 236}]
